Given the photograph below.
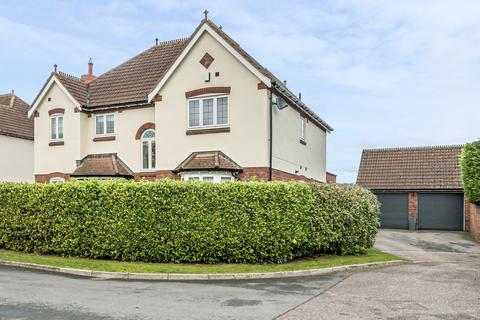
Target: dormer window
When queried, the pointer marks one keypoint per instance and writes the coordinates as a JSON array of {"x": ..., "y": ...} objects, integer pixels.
[{"x": 56, "y": 127}]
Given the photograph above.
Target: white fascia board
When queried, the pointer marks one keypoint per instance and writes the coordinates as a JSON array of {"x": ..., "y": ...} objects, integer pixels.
[
  {"x": 216, "y": 36},
  {"x": 44, "y": 91}
]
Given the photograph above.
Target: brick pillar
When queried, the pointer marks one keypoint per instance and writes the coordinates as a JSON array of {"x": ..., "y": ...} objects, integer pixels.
[
  {"x": 467, "y": 212},
  {"x": 413, "y": 207}
]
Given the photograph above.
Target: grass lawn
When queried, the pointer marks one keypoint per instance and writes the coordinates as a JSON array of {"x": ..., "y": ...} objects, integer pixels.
[{"x": 371, "y": 255}]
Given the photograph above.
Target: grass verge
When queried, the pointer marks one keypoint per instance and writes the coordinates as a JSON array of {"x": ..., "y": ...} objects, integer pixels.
[{"x": 325, "y": 261}]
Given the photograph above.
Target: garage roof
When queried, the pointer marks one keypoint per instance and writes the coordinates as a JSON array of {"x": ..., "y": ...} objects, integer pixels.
[{"x": 417, "y": 168}]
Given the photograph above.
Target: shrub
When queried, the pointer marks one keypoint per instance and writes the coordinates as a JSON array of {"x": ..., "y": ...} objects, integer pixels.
[
  {"x": 471, "y": 171},
  {"x": 174, "y": 221}
]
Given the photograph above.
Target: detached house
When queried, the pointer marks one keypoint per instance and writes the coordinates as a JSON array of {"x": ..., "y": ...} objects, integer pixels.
[
  {"x": 16, "y": 140},
  {"x": 195, "y": 108}
]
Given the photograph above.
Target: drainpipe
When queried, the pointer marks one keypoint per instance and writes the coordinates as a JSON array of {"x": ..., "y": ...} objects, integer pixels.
[{"x": 271, "y": 133}]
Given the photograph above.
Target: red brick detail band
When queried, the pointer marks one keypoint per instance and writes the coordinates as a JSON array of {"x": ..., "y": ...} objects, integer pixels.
[
  {"x": 56, "y": 111},
  {"x": 208, "y": 90},
  {"x": 144, "y": 127},
  {"x": 261, "y": 86},
  {"x": 100, "y": 139},
  {"x": 261, "y": 173},
  {"x": 207, "y": 131},
  {"x": 45, "y": 178}
]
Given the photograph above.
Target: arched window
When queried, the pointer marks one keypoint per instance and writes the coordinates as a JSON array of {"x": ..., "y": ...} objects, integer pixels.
[{"x": 148, "y": 150}]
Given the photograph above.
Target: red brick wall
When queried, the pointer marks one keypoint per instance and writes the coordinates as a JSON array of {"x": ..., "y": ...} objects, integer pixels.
[
  {"x": 474, "y": 220},
  {"x": 413, "y": 206},
  {"x": 331, "y": 178},
  {"x": 261, "y": 173},
  {"x": 45, "y": 178},
  {"x": 161, "y": 174}
]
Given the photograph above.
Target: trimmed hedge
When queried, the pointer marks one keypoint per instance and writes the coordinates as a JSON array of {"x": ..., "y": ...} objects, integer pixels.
[
  {"x": 175, "y": 221},
  {"x": 471, "y": 171}
]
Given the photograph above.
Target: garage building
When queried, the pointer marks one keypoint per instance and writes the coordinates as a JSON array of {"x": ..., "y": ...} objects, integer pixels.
[{"x": 418, "y": 188}]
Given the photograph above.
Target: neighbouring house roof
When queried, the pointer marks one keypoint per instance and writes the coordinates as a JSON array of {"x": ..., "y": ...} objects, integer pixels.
[
  {"x": 131, "y": 82},
  {"x": 417, "y": 168},
  {"x": 102, "y": 165},
  {"x": 13, "y": 117},
  {"x": 208, "y": 160}
]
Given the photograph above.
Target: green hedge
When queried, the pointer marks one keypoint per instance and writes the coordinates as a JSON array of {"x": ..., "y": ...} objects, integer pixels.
[
  {"x": 174, "y": 221},
  {"x": 471, "y": 171}
]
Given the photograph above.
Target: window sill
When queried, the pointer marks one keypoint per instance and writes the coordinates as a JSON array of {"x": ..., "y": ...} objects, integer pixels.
[
  {"x": 303, "y": 142},
  {"x": 148, "y": 171},
  {"x": 99, "y": 139},
  {"x": 207, "y": 130},
  {"x": 56, "y": 143}
]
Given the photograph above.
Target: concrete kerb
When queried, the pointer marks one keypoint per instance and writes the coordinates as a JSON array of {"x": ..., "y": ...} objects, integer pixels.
[{"x": 201, "y": 277}]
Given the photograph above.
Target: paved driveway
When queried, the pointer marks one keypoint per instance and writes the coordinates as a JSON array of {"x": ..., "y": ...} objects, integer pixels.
[{"x": 443, "y": 283}]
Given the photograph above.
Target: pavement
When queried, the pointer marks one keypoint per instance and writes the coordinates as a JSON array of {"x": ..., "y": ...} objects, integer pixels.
[{"x": 442, "y": 283}]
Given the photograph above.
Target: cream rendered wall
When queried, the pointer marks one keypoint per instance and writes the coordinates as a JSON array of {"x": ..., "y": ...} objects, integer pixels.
[
  {"x": 289, "y": 154},
  {"x": 50, "y": 159},
  {"x": 16, "y": 165},
  {"x": 247, "y": 141},
  {"x": 127, "y": 123}
]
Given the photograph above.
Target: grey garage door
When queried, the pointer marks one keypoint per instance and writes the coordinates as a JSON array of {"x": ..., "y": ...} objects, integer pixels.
[
  {"x": 443, "y": 211},
  {"x": 394, "y": 210}
]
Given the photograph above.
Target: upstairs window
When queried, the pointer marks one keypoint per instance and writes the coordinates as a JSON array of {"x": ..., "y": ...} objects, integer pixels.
[
  {"x": 56, "y": 127},
  {"x": 303, "y": 127},
  {"x": 105, "y": 124},
  {"x": 208, "y": 112}
]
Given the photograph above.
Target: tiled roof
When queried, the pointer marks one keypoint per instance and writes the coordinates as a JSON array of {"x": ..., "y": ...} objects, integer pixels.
[
  {"x": 106, "y": 165},
  {"x": 208, "y": 160},
  {"x": 76, "y": 87},
  {"x": 133, "y": 80},
  {"x": 13, "y": 117},
  {"x": 418, "y": 168}
]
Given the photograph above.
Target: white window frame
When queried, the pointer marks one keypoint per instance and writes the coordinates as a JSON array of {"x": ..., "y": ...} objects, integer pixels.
[
  {"x": 57, "y": 180},
  {"x": 201, "y": 99},
  {"x": 200, "y": 175},
  {"x": 56, "y": 116},
  {"x": 104, "y": 134},
  {"x": 149, "y": 140},
  {"x": 303, "y": 127}
]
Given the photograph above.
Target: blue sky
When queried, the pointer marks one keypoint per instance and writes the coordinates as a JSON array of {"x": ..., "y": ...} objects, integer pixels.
[{"x": 382, "y": 73}]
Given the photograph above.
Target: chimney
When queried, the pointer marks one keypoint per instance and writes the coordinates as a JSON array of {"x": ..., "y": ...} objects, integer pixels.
[
  {"x": 89, "y": 77},
  {"x": 300, "y": 96}
]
